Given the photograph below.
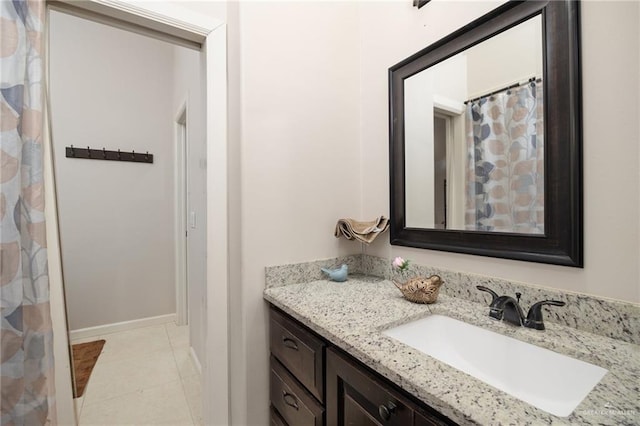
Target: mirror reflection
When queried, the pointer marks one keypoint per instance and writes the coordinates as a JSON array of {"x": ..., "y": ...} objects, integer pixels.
[{"x": 474, "y": 128}]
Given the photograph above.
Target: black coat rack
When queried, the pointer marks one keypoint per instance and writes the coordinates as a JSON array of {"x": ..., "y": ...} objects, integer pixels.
[{"x": 103, "y": 154}]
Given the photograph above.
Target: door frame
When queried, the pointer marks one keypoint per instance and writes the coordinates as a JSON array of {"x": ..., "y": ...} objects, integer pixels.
[
  {"x": 181, "y": 180},
  {"x": 170, "y": 21}
]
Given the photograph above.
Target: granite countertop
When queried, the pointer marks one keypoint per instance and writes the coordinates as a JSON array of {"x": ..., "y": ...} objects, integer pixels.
[{"x": 353, "y": 314}]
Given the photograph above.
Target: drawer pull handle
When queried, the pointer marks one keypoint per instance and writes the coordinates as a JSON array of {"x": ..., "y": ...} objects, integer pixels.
[
  {"x": 290, "y": 343},
  {"x": 386, "y": 411},
  {"x": 290, "y": 399}
]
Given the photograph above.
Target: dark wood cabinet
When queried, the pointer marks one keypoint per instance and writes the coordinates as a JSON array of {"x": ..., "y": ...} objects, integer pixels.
[
  {"x": 276, "y": 418},
  {"x": 354, "y": 397},
  {"x": 428, "y": 420},
  {"x": 297, "y": 373},
  {"x": 299, "y": 350},
  {"x": 313, "y": 383},
  {"x": 358, "y": 396},
  {"x": 292, "y": 401}
]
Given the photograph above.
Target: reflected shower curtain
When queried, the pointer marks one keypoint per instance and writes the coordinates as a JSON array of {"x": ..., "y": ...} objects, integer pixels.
[
  {"x": 26, "y": 370},
  {"x": 505, "y": 153}
]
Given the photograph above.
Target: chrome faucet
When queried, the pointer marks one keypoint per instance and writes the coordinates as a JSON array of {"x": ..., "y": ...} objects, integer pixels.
[{"x": 508, "y": 309}]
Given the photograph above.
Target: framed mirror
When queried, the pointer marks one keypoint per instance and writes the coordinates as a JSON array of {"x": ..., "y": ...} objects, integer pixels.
[{"x": 485, "y": 138}]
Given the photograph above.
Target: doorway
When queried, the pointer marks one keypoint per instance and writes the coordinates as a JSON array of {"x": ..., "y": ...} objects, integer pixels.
[
  {"x": 441, "y": 136},
  {"x": 193, "y": 29},
  {"x": 117, "y": 189}
]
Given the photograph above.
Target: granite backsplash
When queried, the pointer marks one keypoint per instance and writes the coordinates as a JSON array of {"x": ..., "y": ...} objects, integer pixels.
[{"x": 605, "y": 317}]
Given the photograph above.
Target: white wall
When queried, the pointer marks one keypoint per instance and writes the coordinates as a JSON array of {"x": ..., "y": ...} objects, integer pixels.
[
  {"x": 419, "y": 131},
  {"x": 610, "y": 66},
  {"x": 300, "y": 159},
  {"x": 519, "y": 53},
  {"x": 110, "y": 88}
]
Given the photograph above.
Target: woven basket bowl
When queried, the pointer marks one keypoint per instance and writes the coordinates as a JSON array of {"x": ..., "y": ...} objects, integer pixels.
[{"x": 420, "y": 289}]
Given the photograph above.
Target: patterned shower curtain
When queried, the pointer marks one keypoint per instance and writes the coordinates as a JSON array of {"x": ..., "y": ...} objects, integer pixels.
[
  {"x": 505, "y": 158},
  {"x": 26, "y": 370}
]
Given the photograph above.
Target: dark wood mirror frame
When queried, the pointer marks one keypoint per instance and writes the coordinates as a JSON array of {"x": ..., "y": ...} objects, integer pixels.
[{"x": 562, "y": 243}]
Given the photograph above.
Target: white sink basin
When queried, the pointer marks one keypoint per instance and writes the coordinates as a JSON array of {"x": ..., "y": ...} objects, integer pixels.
[{"x": 545, "y": 379}]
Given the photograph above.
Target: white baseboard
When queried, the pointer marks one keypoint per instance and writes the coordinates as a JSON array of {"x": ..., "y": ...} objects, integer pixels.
[
  {"x": 83, "y": 333},
  {"x": 195, "y": 360}
]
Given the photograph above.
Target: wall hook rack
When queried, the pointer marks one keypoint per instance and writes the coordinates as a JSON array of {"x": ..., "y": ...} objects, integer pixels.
[{"x": 104, "y": 154}]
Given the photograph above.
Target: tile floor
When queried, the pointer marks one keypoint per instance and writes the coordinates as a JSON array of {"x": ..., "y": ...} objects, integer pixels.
[{"x": 143, "y": 377}]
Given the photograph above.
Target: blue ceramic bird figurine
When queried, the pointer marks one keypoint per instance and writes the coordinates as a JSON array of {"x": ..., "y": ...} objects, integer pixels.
[{"x": 339, "y": 274}]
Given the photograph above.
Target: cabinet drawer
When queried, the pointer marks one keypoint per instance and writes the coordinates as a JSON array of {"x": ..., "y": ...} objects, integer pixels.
[
  {"x": 299, "y": 351},
  {"x": 276, "y": 419},
  {"x": 295, "y": 405}
]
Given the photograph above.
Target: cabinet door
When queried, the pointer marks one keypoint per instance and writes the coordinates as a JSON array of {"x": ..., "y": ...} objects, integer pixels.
[
  {"x": 355, "y": 397},
  {"x": 358, "y": 397},
  {"x": 427, "y": 419}
]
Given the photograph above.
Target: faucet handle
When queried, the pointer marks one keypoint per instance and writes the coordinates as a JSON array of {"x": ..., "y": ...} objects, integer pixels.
[
  {"x": 493, "y": 294},
  {"x": 534, "y": 316}
]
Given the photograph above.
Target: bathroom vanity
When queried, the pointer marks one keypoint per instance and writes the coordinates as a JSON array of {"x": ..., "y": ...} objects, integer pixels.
[
  {"x": 331, "y": 363},
  {"x": 304, "y": 364}
]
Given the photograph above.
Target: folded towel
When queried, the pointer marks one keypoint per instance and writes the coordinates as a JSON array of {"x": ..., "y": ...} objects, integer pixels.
[{"x": 364, "y": 232}]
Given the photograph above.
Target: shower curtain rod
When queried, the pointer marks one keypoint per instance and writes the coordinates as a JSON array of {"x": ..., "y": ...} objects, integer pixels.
[{"x": 532, "y": 79}]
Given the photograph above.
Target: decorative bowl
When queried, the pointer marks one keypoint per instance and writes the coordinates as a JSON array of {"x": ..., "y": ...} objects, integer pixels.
[{"x": 420, "y": 289}]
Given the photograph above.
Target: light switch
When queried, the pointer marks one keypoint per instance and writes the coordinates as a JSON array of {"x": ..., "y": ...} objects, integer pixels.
[{"x": 192, "y": 220}]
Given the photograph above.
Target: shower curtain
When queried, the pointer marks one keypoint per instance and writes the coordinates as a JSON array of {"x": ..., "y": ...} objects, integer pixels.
[
  {"x": 26, "y": 370},
  {"x": 505, "y": 161}
]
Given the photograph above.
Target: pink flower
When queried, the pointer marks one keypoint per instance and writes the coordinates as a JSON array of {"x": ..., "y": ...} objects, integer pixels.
[{"x": 400, "y": 263}]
